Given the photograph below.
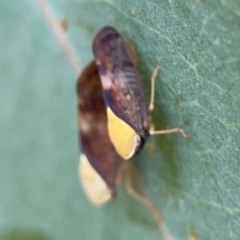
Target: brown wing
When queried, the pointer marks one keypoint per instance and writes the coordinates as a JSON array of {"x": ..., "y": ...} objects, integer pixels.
[
  {"x": 94, "y": 137},
  {"x": 119, "y": 76}
]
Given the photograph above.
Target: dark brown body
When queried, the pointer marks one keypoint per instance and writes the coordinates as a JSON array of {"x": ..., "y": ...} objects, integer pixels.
[{"x": 95, "y": 141}]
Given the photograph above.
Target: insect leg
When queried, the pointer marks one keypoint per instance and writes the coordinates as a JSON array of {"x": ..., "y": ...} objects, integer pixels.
[
  {"x": 137, "y": 190},
  {"x": 168, "y": 131},
  {"x": 156, "y": 70}
]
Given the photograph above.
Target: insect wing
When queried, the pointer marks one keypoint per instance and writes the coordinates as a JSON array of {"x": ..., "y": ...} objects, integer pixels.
[
  {"x": 95, "y": 141},
  {"x": 119, "y": 76}
]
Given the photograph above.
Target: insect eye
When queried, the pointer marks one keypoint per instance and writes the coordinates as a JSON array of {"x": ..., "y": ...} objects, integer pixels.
[{"x": 140, "y": 144}]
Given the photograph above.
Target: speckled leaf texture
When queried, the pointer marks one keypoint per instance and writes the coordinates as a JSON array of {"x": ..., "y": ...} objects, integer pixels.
[{"x": 194, "y": 182}]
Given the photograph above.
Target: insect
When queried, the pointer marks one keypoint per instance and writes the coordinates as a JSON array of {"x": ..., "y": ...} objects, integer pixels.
[
  {"x": 113, "y": 117},
  {"x": 99, "y": 166},
  {"x": 128, "y": 121}
]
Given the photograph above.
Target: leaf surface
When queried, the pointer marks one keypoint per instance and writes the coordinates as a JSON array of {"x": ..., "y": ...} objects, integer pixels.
[{"x": 195, "y": 183}]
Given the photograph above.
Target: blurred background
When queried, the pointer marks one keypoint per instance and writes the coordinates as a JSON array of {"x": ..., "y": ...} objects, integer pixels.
[{"x": 195, "y": 183}]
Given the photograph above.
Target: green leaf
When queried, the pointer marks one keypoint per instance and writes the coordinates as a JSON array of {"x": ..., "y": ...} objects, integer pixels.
[{"x": 194, "y": 183}]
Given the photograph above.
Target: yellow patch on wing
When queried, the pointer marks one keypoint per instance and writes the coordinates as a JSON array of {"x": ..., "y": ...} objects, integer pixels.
[
  {"x": 95, "y": 187},
  {"x": 123, "y": 137}
]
